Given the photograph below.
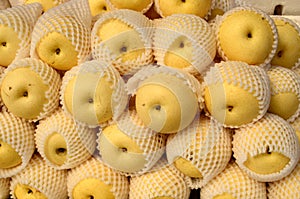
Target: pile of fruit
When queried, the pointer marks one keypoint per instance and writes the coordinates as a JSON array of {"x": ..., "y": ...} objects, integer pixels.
[{"x": 149, "y": 99}]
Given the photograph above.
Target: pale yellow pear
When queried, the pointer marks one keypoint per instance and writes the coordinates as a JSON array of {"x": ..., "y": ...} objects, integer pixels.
[
  {"x": 55, "y": 149},
  {"x": 9, "y": 45},
  {"x": 122, "y": 40},
  {"x": 47, "y": 4},
  {"x": 27, "y": 192},
  {"x": 92, "y": 188},
  {"x": 23, "y": 92},
  {"x": 9, "y": 157},
  {"x": 196, "y": 7},
  {"x": 165, "y": 104},
  {"x": 288, "y": 50},
  {"x": 120, "y": 151},
  {"x": 246, "y": 35},
  {"x": 137, "y": 5},
  {"x": 57, "y": 50},
  {"x": 98, "y": 6}
]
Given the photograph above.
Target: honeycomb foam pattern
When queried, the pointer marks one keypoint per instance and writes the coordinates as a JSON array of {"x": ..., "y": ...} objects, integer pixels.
[
  {"x": 287, "y": 187},
  {"x": 138, "y": 22},
  {"x": 198, "y": 32},
  {"x": 166, "y": 181},
  {"x": 206, "y": 144},
  {"x": 71, "y": 19},
  {"x": 22, "y": 19},
  {"x": 253, "y": 79},
  {"x": 219, "y": 22},
  {"x": 284, "y": 80},
  {"x": 80, "y": 140},
  {"x": 48, "y": 180},
  {"x": 119, "y": 95},
  {"x": 50, "y": 77},
  {"x": 19, "y": 134},
  {"x": 271, "y": 133},
  {"x": 94, "y": 168},
  {"x": 151, "y": 143},
  {"x": 235, "y": 182}
]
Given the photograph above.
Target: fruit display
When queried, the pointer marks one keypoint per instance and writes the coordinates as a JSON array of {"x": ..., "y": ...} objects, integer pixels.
[{"x": 153, "y": 99}]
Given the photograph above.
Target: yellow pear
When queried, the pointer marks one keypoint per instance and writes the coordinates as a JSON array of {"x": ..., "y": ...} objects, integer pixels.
[
  {"x": 267, "y": 150},
  {"x": 16, "y": 144},
  {"x": 288, "y": 51},
  {"x": 24, "y": 191},
  {"x": 88, "y": 92},
  {"x": 228, "y": 85},
  {"x": 248, "y": 35},
  {"x": 61, "y": 36},
  {"x": 63, "y": 143},
  {"x": 39, "y": 181},
  {"x": 123, "y": 38},
  {"x": 30, "y": 89},
  {"x": 197, "y": 7},
  {"x": 98, "y": 7},
  {"x": 184, "y": 41},
  {"x": 285, "y": 97},
  {"x": 93, "y": 179},
  {"x": 231, "y": 183},
  {"x": 8, "y": 156},
  {"x": 16, "y": 28},
  {"x": 47, "y": 4},
  {"x": 201, "y": 151},
  {"x": 138, "y": 5}
]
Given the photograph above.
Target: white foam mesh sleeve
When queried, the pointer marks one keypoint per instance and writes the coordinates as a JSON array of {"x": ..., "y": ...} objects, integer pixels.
[
  {"x": 166, "y": 181},
  {"x": 19, "y": 134},
  {"x": 235, "y": 182},
  {"x": 48, "y": 180},
  {"x": 80, "y": 140},
  {"x": 273, "y": 134},
  {"x": 94, "y": 168},
  {"x": 206, "y": 144}
]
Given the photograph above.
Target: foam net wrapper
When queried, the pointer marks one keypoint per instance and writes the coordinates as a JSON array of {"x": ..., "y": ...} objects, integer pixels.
[
  {"x": 80, "y": 140},
  {"x": 101, "y": 50},
  {"x": 250, "y": 9},
  {"x": 272, "y": 134},
  {"x": 198, "y": 32},
  {"x": 283, "y": 80},
  {"x": 114, "y": 7},
  {"x": 296, "y": 26},
  {"x": 102, "y": 70},
  {"x": 166, "y": 181},
  {"x": 151, "y": 143},
  {"x": 50, "y": 78},
  {"x": 206, "y": 144},
  {"x": 4, "y": 187},
  {"x": 94, "y": 168},
  {"x": 253, "y": 79},
  {"x": 235, "y": 182},
  {"x": 71, "y": 19},
  {"x": 22, "y": 19},
  {"x": 145, "y": 72},
  {"x": 287, "y": 187},
  {"x": 19, "y": 134},
  {"x": 48, "y": 180}
]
